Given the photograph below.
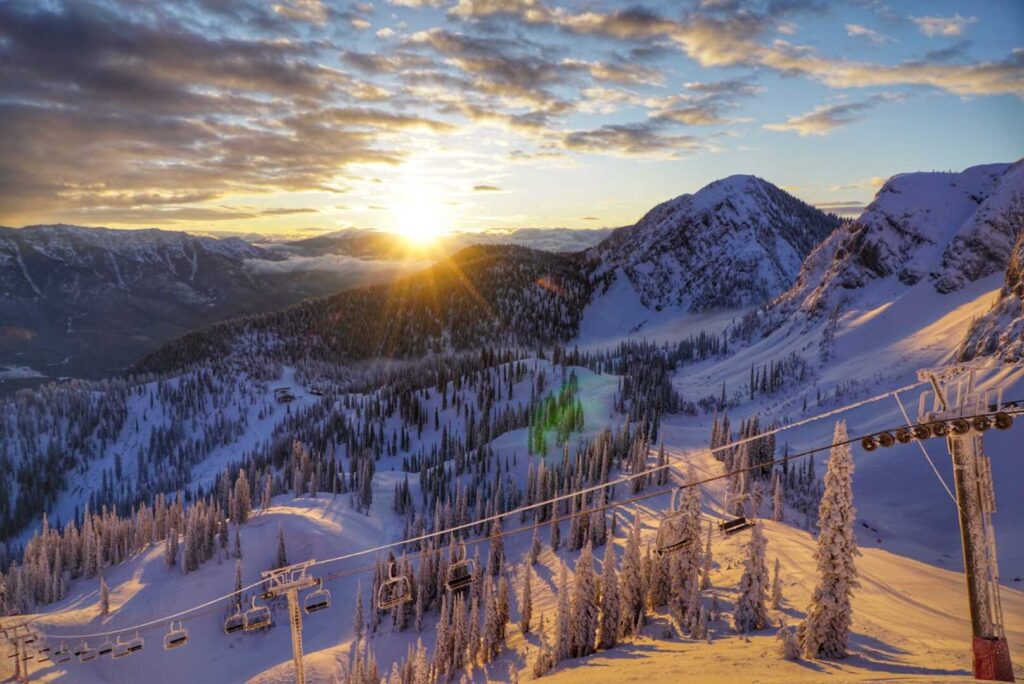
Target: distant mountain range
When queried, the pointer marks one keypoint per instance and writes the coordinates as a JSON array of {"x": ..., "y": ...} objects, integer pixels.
[{"x": 86, "y": 302}]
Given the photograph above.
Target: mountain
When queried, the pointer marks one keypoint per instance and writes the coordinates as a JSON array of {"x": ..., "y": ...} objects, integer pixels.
[
  {"x": 87, "y": 301},
  {"x": 736, "y": 242},
  {"x": 484, "y": 294},
  {"x": 943, "y": 228},
  {"x": 1000, "y": 331}
]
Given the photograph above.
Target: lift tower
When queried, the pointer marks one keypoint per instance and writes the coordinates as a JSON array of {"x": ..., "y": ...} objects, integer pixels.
[
  {"x": 287, "y": 581},
  {"x": 954, "y": 395}
]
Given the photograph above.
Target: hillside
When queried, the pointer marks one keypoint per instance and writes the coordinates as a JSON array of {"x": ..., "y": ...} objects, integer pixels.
[{"x": 87, "y": 302}]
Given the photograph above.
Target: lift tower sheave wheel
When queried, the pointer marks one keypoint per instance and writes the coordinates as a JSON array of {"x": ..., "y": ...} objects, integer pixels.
[{"x": 955, "y": 395}]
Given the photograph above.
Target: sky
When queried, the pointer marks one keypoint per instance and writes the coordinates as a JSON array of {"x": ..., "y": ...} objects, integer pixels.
[{"x": 425, "y": 116}]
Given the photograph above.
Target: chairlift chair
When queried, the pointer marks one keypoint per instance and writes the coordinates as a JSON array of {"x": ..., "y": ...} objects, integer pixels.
[
  {"x": 735, "y": 525},
  {"x": 234, "y": 622},
  {"x": 88, "y": 654},
  {"x": 120, "y": 649},
  {"x": 673, "y": 535},
  {"x": 257, "y": 617},
  {"x": 62, "y": 654},
  {"x": 394, "y": 591},
  {"x": 136, "y": 644},
  {"x": 176, "y": 637},
  {"x": 80, "y": 649},
  {"x": 105, "y": 648},
  {"x": 460, "y": 574},
  {"x": 317, "y": 599}
]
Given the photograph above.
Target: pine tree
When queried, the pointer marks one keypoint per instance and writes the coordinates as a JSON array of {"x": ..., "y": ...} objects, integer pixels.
[
  {"x": 238, "y": 543},
  {"x": 556, "y": 536},
  {"x": 104, "y": 597},
  {"x": 238, "y": 584},
  {"x": 789, "y": 645},
  {"x": 497, "y": 551},
  {"x": 535, "y": 546},
  {"x": 776, "y": 588},
  {"x": 610, "y": 611},
  {"x": 584, "y": 605},
  {"x": 751, "y": 613},
  {"x": 282, "y": 555},
  {"x": 358, "y": 621},
  {"x": 171, "y": 548},
  {"x": 825, "y": 632},
  {"x": 778, "y": 498},
  {"x": 632, "y": 604},
  {"x": 563, "y": 633},
  {"x": 526, "y": 602},
  {"x": 242, "y": 501}
]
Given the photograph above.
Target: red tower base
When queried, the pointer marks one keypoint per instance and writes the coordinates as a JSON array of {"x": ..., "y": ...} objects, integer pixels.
[{"x": 992, "y": 659}]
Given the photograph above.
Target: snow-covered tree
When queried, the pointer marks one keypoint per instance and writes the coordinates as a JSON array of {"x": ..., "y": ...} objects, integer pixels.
[
  {"x": 104, "y": 597},
  {"x": 535, "y": 546},
  {"x": 776, "y": 587},
  {"x": 358, "y": 621},
  {"x": 526, "y": 602},
  {"x": 282, "y": 554},
  {"x": 584, "y": 605},
  {"x": 789, "y": 645},
  {"x": 563, "y": 626},
  {"x": 632, "y": 583},
  {"x": 825, "y": 631},
  {"x": 778, "y": 497},
  {"x": 608, "y": 633},
  {"x": 242, "y": 499},
  {"x": 751, "y": 612},
  {"x": 497, "y": 550}
]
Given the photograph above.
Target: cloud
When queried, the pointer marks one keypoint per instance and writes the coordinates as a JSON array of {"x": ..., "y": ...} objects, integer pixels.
[
  {"x": 943, "y": 26},
  {"x": 826, "y": 118},
  {"x": 312, "y": 11},
  {"x": 644, "y": 139},
  {"x": 486, "y": 188},
  {"x": 843, "y": 208},
  {"x": 704, "y": 104},
  {"x": 874, "y": 37},
  {"x": 872, "y": 183},
  {"x": 329, "y": 263}
]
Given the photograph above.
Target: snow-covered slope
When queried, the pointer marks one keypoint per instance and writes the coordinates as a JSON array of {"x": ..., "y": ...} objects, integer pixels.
[
  {"x": 735, "y": 242},
  {"x": 1000, "y": 331}
]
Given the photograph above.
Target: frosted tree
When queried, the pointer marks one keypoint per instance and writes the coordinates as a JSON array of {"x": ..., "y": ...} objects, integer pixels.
[
  {"x": 238, "y": 542},
  {"x": 171, "y": 547},
  {"x": 443, "y": 640},
  {"x": 584, "y": 608},
  {"x": 789, "y": 646},
  {"x": 535, "y": 546},
  {"x": 751, "y": 612},
  {"x": 358, "y": 621},
  {"x": 776, "y": 587},
  {"x": 545, "y": 661},
  {"x": 268, "y": 491},
  {"x": 632, "y": 583},
  {"x": 563, "y": 634},
  {"x": 238, "y": 584},
  {"x": 825, "y": 631},
  {"x": 473, "y": 633},
  {"x": 778, "y": 497},
  {"x": 608, "y": 632},
  {"x": 555, "y": 538},
  {"x": 104, "y": 597},
  {"x": 492, "y": 630},
  {"x": 497, "y": 554},
  {"x": 526, "y": 602},
  {"x": 282, "y": 554},
  {"x": 241, "y": 502},
  {"x": 459, "y": 634},
  {"x": 706, "y": 563}
]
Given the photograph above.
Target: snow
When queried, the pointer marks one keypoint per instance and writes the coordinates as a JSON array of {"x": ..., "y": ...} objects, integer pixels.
[{"x": 19, "y": 373}]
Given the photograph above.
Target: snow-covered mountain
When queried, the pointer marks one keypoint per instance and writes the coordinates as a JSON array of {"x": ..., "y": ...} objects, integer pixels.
[
  {"x": 1000, "y": 331},
  {"x": 949, "y": 229},
  {"x": 84, "y": 302},
  {"x": 735, "y": 242},
  {"x": 456, "y": 393}
]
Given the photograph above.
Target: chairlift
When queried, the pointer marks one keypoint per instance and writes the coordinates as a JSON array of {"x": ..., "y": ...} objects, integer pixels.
[
  {"x": 735, "y": 525},
  {"x": 80, "y": 649},
  {"x": 460, "y": 574},
  {"x": 127, "y": 648},
  {"x": 257, "y": 617},
  {"x": 62, "y": 654},
  {"x": 88, "y": 654},
  {"x": 317, "y": 599},
  {"x": 394, "y": 591},
  {"x": 176, "y": 637},
  {"x": 234, "y": 622},
  {"x": 1002, "y": 421},
  {"x": 106, "y": 647},
  {"x": 673, "y": 535}
]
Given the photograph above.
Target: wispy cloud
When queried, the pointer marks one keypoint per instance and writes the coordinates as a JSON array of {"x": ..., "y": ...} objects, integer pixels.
[
  {"x": 943, "y": 26},
  {"x": 872, "y": 36},
  {"x": 824, "y": 119}
]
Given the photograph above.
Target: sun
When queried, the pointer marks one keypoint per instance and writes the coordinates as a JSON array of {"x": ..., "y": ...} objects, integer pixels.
[{"x": 419, "y": 216}]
